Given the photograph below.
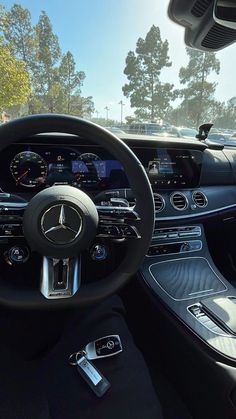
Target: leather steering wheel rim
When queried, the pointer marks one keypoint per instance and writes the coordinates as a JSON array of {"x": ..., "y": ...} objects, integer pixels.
[{"x": 139, "y": 183}]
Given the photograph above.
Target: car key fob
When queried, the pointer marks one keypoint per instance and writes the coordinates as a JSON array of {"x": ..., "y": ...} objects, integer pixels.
[
  {"x": 103, "y": 347},
  {"x": 93, "y": 377}
]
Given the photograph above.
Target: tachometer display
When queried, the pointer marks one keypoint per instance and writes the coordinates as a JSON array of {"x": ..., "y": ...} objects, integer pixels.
[
  {"x": 85, "y": 169},
  {"x": 89, "y": 158},
  {"x": 28, "y": 169}
]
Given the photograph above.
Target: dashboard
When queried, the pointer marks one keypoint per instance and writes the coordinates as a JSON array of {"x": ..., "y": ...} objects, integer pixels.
[
  {"x": 35, "y": 166},
  {"x": 188, "y": 179}
]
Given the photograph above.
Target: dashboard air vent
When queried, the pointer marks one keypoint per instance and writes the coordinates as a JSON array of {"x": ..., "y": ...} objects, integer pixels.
[
  {"x": 200, "y": 7},
  {"x": 132, "y": 202},
  {"x": 159, "y": 202},
  {"x": 200, "y": 199},
  {"x": 218, "y": 37},
  {"x": 179, "y": 201}
]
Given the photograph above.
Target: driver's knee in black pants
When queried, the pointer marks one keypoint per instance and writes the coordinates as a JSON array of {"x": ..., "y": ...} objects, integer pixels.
[
  {"x": 131, "y": 395},
  {"x": 50, "y": 388}
]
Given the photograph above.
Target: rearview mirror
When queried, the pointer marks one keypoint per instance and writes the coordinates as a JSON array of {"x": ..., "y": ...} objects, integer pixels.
[
  {"x": 224, "y": 13},
  {"x": 210, "y": 25}
]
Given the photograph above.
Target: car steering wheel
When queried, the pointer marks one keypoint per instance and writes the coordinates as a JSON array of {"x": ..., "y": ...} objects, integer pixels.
[{"x": 61, "y": 221}]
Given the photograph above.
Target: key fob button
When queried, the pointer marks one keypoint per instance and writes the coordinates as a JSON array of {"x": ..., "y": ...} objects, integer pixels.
[
  {"x": 103, "y": 347},
  {"x": 107, "y": 345}
]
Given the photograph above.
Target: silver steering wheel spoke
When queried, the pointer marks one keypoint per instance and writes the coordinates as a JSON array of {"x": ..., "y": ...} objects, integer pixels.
[{"x": 60, "y": 278}]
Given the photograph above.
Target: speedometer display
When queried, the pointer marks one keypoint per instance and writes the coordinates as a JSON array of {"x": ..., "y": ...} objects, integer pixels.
[{"x": 28, "y": 169}]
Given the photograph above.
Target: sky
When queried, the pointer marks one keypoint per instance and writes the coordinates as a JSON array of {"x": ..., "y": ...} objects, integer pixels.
[{"x": 99, "y": 33}]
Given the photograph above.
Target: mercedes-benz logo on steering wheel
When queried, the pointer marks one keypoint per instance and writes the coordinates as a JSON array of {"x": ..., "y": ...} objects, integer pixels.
[{"x": 61, "y": 224}]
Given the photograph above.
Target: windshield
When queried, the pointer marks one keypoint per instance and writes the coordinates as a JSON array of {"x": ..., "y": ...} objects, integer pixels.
[{"x": 122, "y": 64}]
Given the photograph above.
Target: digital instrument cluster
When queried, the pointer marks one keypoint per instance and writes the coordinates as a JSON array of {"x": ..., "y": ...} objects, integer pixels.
[{"x": 52, "y": 166}]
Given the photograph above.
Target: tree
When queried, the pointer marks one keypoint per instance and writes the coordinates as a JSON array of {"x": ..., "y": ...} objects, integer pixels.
[
  {"x": 70, "y": 78},
  {"x": 55, "y": 99},
  {"x": 105, "y": 122},
  {"x": 48, "y": 54},
  {"x": 198, "y": 95},
  {"x": 147, "y": 93},
  {"x": 2, "y": 17},
  {"x": 231, "y": 113},
  {"x": 55, "y": 87},
  {"x": 71, "y": 81},
  {"x": 82, "y": 106},
  {"x": 19, "y": 34},
  {"x": 14, "y": 80},
  {"x": 225, "y": 115}
]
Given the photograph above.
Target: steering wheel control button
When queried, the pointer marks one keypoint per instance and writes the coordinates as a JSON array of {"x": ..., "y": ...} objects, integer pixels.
[
  {"x": 99, "y": 252},
  {"x": 61, "y": 224},
  {"x": 129, "y": 232},
  {"x": 117, "y": 213},
  {"x": 17, "y": 255},
  {"x": 110, "y": 231},
  {"x": 11, "y": 230},
  {"x": 119, "y": 231}
]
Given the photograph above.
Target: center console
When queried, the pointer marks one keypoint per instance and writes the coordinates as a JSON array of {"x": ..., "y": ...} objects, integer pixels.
[
  {"x": 179, "y": 270},
  {"x": 166, "y": 246}
]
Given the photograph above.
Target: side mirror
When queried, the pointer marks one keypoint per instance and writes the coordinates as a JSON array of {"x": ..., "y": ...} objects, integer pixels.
[
  {"x": 204, "y": 131},
  {"x": 224, "y": 13}
]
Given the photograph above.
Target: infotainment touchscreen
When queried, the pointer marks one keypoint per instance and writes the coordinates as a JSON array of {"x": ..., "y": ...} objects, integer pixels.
[{"x": 169, "y": 168}]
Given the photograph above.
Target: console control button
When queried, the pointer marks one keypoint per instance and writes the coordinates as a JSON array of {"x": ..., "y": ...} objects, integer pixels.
[
  {"x": 177, "y": 232},
  {"x": 186, "y": 247},
  {"x": 185, "y": 233},
  {"x": 174, "y": 248},
  {"x": 172, "y": 235},
  {"x": 161, "y": 236}
]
